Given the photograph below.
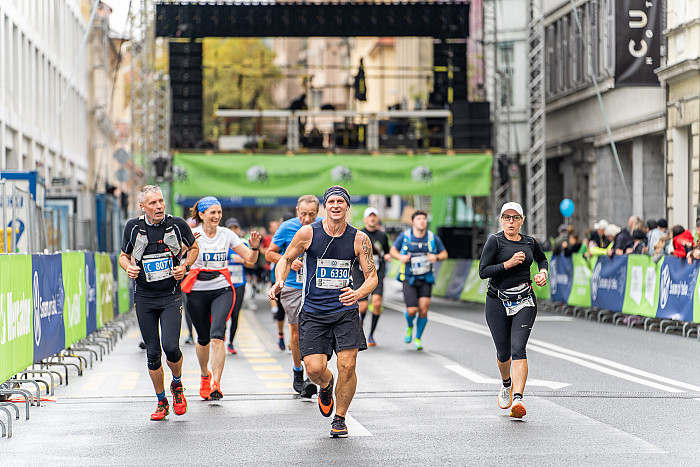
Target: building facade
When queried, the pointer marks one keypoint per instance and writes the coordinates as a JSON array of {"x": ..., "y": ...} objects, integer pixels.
[
  {"x": 681, "y": 75},
  {"x": 581, "y": 162},
  {"x": 44, "y": 90}
]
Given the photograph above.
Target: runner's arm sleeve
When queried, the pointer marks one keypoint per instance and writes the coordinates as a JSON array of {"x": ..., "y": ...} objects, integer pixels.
[
  {"x": 487, "y": 266},
  {"x": 127, "y": 245},
  {"x": 539, "y": 256}
]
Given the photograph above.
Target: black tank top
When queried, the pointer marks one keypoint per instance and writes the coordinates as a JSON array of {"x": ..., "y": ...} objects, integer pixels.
[{"x": 328, "y": 265}]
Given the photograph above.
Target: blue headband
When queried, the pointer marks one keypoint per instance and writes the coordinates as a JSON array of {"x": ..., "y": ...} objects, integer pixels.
[
  {"x": 207, "y": 202},
  {"x": 336, "y": 190}
]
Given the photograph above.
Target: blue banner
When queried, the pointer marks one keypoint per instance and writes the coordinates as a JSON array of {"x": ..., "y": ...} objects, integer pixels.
[
  {"x": 608, "y": 283},
  {"x": 560, "y": 277},
  {"x": 459, "y": 276},
  {"x": 676, "y": 288},
  {"x": 90, "y": 292},
  {"x": 48, "y": 294},
  {"x": 115, "y": 289}
]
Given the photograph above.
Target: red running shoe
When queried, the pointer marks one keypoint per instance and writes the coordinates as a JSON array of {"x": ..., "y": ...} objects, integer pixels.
[
  {"x": 161, "y": 411},
  {"x": 179, "y": 401}
]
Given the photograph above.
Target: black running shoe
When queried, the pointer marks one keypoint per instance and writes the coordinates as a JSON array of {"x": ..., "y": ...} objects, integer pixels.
[
  {"x": 309, "y": 389},
  {"x": 325, "y": 399},
  {"x": 338, "y": 427},
  {"x": 298, "y": 383}
]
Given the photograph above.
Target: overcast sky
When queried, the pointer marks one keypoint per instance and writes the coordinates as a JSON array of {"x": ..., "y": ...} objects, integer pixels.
[{"x": 120, "y": 8}]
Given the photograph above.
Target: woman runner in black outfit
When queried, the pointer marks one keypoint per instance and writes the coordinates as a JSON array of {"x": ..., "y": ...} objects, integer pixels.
[{"x": 510, "y": 301}]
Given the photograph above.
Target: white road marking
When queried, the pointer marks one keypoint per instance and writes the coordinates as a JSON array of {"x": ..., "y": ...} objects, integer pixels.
[
  {"x": 579, "y": 358},
  {"x": 554, "y": 318},
  {"x": 478, "y": 378},
  {"x": 355, "y": 428}
]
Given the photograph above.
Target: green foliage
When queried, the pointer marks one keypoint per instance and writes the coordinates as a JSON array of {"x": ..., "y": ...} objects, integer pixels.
[{"x": 235, "y": 72}]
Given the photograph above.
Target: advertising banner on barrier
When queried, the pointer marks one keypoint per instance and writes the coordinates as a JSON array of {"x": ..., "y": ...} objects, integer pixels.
[
  {"x": 459, "y": 276},
  {"x": 642, "y": 288},
  {"x": 47, "y": 306},
  {"x": 16, "y": 346},
  {"x": 542, "y": 293},
  {"x": 115, "y": 284},
  {"x": 75, "y": 287},
  {"x": 442, "y": 278},
  {"x": 124, "y": 295},
  {"x": 677, "y": 281},
  {"x": 105, "y": 283},
  {"x": 608, "y": 283},
  {"x": 561, "y": 271},
  {"x": 474, "y": 288},
  {"x": 90, "y": 293},
  {"x": 581, "y": 283}
]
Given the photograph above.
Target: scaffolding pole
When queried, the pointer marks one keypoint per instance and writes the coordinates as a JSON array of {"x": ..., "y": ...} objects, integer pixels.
[{"x": 537, "y": 154}]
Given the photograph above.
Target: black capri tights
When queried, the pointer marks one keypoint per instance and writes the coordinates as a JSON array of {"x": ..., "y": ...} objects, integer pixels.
[
  {"x": 510, "y": 333},
  {"x": 168, "y": 311},
  {"x": 210, "y": 309}
]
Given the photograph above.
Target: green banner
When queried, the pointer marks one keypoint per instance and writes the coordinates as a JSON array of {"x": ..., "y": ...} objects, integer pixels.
[
  {"x": 642, "y": 286},
  {"x": 227, "y": 175},
  {"x": 541, "y": 293},
  {"x": 447, "y": 268},
  {"x": 123, "y": 291},
  {"x": 16, "y": 324},
  {"x": 581, "y": 282},
  {"x": 73, "y": 264},
  {"x": 474, "y": 288},
  {"x": 105, "y": 284}
]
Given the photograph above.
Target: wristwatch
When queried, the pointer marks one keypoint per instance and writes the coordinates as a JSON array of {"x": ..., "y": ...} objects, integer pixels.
[{"x": 187, "y": 267}]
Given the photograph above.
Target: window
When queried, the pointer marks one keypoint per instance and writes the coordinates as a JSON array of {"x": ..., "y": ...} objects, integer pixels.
[{"x": 505, "y": 71}]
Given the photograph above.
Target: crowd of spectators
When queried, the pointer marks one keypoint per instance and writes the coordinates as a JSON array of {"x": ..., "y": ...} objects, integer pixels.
[{"x": 652, "y": 238}]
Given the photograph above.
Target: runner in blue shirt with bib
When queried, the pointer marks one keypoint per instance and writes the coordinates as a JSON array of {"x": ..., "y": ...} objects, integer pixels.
[
  {"x": 418, "y": 249},
  {"x": 290, "y": 296}
]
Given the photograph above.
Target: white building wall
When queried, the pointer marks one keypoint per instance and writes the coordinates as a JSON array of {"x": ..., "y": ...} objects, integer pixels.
[{"x": 39, "y": 44}]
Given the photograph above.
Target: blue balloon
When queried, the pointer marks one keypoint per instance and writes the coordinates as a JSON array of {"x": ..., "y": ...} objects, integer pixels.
[{"x": 566, "y": 207}]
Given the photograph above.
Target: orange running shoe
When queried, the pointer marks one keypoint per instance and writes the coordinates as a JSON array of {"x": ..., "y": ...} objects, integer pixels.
[
  {"x": 216, "y": 393},
  {"x": 205, "y": 387},
  {"x": 161, "y": 411},
  {"x": 325, "y": 399},
  {"x": 179, "y": 401}
]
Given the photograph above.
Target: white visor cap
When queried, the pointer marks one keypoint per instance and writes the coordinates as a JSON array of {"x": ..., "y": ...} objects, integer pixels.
[{"x": 514, "y": 206}]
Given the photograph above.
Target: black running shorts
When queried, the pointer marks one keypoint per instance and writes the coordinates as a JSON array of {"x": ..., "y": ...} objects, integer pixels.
[
  {"x": 419, "y": 289},
  {"x": 324, "y": 333}
]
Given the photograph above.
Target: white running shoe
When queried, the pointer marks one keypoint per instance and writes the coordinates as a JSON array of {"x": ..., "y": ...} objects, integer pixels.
[
  {"x": 505, "y": 397},
  {"x": 517, "y": 410}
]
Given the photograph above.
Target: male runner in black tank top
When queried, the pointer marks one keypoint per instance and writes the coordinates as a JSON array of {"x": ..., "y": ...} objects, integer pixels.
[{"x": 329, "y": 320}]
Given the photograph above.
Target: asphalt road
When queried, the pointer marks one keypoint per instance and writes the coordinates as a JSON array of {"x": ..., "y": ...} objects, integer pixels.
[{"x": 597, "y": 395}]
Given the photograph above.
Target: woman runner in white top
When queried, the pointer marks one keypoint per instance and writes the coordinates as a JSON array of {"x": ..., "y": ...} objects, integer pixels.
[{"x": 210, "y": 294}]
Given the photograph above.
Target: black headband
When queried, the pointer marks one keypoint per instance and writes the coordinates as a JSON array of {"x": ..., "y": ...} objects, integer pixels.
[{"x": 336, "y": 190}]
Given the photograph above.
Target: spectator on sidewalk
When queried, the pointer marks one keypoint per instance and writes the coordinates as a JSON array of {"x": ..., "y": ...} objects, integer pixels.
[
  {"x": 660, "y": 231},
  {"x": 623, "y": 241},
  {"x": 639, "y": 247},
  {"x": 598, "y": 234},
  {"x": 682, "y": 243},
  {"x": 558, "y": 242},
  {"x": 696, "y": 234},
  {"x": 572, "y": 245}
]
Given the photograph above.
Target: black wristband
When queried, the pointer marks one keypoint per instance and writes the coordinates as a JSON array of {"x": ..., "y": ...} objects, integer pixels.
[{"x": 254, "y": 249}]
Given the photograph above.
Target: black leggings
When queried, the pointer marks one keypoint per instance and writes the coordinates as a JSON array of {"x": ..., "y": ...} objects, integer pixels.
[
  {"x": 510, "y": 333},
  {"x": 240, "y": 293},
  {"x": 210, "y": 310},
  {"x": 167, "y": 311}
]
